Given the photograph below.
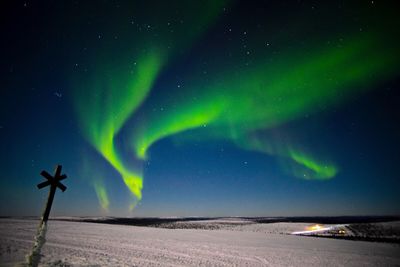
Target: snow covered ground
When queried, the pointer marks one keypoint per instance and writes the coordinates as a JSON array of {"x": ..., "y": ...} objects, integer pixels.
[{"x": 72, "y": 243}]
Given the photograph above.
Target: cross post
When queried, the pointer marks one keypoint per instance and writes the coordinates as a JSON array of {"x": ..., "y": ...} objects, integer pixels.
[{"x": 54, "y": 182}]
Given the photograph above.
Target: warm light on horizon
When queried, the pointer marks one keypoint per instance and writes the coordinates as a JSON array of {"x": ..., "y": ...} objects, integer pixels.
[{"x": 314, "y": 227}]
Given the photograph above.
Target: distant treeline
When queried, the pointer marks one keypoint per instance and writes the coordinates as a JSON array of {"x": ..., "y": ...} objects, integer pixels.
[{"x": 157, "y": 222}]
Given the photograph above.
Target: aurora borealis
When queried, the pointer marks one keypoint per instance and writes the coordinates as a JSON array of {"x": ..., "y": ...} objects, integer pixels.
[{"x": 204, "y": 108}]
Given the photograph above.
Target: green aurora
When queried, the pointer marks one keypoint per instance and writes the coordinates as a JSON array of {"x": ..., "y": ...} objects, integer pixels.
[
  {"x": 231, "y": 104},
  {"x": 267, "y": 96},
  {"x": 104, "y": 104}
]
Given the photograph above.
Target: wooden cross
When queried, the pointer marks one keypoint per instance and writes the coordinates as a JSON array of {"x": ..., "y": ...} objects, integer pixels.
[{"x": 54, "y": 182}]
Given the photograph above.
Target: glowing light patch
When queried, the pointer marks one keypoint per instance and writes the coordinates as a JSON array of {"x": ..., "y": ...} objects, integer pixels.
[
  {"x": 102, "y": 196},
  {"x": 293, "y": 160},
  {"x": 232, "y": 103},
  {"x": 321, "y": 229},
  {"x": 105, "y": 98},
  {"x": 268, "y": 95},
  {"x": 315, "y": 227},
  {"x": 102, "y": 122},
  {"x": 310, "y": 168}
]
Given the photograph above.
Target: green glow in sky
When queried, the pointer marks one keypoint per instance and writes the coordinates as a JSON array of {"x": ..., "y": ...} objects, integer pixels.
[
  {"x": 104, "y": 108},
  {"x": 241, "y": 95},
  {"x": 258, "y": 97},
  {"x": 101, "y": 195},
  {"x": 108, "y": 96},
  {"x": 294, "y": 161},
  {"x": 312, "y": 168},
  {"x": 267, "y": 94}
]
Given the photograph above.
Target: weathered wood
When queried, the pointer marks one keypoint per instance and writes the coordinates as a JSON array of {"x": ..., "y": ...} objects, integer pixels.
[
  {"x": 54, "y": 182},
  {"x": 50, "y": 199},
  {"x": 44, "y": 184},
  {"x": 46, "y": 175},
  {"x": 61, "y": 186}
]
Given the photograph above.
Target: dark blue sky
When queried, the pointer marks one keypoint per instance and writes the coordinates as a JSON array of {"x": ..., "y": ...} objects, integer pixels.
[{"x": 47, "y": 48}]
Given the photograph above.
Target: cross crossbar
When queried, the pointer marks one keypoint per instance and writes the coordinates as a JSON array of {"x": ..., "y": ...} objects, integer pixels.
[{"x": 53, "y": 181}]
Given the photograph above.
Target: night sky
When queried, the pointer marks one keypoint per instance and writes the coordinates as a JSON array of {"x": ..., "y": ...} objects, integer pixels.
[{"x": 201, "y": 108}]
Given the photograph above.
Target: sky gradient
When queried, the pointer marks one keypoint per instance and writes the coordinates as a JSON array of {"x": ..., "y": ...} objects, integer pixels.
[{"x": 218, "y": 108}]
